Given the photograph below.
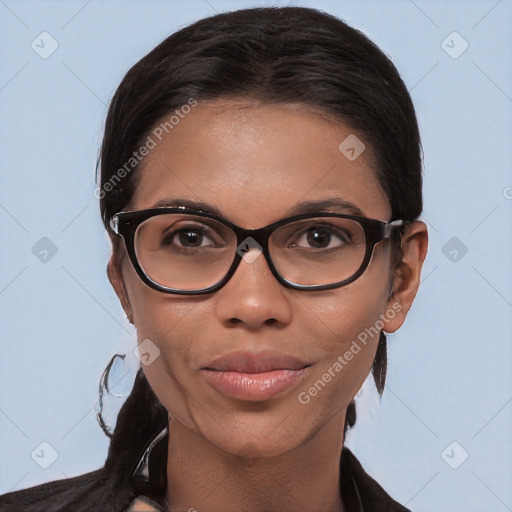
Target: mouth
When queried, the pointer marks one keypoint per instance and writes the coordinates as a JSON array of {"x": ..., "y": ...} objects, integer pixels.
[{"x": 255, "y": 376}]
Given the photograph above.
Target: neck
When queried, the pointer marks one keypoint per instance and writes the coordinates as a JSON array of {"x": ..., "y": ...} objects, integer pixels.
[{"x": 205, "y": 478}]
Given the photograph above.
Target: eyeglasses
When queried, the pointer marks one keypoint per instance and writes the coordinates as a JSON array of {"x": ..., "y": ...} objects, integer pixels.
[{"x": 190, "y": 252}]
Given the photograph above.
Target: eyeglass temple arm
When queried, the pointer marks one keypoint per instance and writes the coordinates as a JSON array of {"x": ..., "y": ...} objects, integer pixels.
[{"x": 388, "y": 228}]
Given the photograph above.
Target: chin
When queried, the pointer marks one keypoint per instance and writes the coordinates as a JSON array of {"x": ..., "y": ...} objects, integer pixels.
[
  {"x": 262, "y": 447},
  {"x": 255, "y": 436}
]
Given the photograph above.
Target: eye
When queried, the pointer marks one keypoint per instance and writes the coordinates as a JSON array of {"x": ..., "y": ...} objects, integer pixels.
[
  {"x": 187, "y": 238},
  {"x": 323, "y": 237},
  {"x": 191, "y": 237}
]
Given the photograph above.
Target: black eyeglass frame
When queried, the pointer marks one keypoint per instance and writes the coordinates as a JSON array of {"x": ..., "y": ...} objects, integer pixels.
[{"x": 126, "y": 223}]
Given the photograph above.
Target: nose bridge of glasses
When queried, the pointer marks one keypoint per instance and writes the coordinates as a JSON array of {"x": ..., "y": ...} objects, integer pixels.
[
  {"x": 252, "y": 237},
  {"x": 251, "y": 244}
]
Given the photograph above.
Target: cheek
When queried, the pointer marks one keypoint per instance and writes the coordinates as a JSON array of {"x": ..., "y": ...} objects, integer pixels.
[
  {"x": 165, "y": 329},
  {"x": 155, "y": 314},
  {"x": 172, "y": 329},
  {"x": 347, "y": 350},
  {"x": 345, "y": 325}
]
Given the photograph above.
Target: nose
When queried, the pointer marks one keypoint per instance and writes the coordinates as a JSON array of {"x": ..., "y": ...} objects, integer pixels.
[{"x": 253, "y": 297}]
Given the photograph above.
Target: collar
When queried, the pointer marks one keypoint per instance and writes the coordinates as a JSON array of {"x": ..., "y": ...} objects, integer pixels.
[
  {"x": 149, "y": 481},
  {"x": 149, "y": 477}
]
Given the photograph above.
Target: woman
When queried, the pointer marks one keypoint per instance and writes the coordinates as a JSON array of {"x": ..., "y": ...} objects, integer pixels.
[{"x": 261, "y": 185}]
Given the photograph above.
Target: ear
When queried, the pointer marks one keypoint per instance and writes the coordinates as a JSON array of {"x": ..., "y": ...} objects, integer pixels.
[
  {"x": 407, "y": 275},
  {"x": 115, "y": 276}
]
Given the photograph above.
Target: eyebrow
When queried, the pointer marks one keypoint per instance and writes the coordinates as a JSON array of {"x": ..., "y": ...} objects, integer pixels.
[{"x": 331, "y": 204}]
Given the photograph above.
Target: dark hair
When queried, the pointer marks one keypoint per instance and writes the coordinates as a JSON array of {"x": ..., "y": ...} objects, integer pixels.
[{"x": 272, "y": 55}]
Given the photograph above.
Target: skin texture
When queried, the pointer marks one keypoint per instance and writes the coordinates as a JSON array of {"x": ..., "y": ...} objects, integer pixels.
[{"x": 255, "y": 162}]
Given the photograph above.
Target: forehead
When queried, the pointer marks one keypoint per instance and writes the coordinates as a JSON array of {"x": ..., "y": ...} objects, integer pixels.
[{"x": 256, "y": 162}]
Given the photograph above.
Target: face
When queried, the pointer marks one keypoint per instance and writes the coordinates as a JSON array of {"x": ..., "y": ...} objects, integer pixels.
[{"x": 255, "y": 164}]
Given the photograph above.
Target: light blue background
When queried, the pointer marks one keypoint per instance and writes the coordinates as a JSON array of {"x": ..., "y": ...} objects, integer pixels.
[{"x": 450, "y": 365}]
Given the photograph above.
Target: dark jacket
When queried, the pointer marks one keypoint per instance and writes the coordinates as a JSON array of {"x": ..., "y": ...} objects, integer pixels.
[{"x": 92, "y": 491}]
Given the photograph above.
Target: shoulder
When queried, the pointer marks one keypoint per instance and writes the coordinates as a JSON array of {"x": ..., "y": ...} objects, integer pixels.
[
  {"x": 60, "y": 495},
  {"x": 373, "y": 497}
]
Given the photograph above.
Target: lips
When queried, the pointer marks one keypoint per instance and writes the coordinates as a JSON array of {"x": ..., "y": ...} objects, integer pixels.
[
  {"x": 254, "y": 376},
  {"x": 260, "y": 362}
]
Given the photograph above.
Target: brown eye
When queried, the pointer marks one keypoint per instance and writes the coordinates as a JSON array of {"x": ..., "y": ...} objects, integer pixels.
[
  {"x": 322, "y": 237},
  {"x": 185, "y": 238}
]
